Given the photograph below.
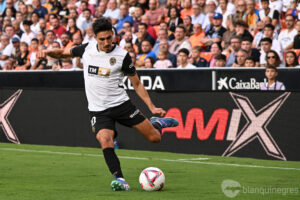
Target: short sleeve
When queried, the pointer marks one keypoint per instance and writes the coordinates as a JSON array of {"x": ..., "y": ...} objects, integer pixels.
[
  {"x": 78, "y": 51},
  {"x": 127, "y": 66}
]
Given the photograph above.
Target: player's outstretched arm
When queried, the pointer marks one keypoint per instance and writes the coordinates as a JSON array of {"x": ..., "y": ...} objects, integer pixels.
[
  {"x": 143, "y": 94},
  {"x": 55, "y": 53}
]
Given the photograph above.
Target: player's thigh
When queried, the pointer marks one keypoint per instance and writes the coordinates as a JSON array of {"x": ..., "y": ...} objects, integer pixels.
[{"x": 148, "y": 131}]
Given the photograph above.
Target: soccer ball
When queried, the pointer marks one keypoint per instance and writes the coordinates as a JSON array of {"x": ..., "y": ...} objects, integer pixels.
[{"x": 152, "y": 179}]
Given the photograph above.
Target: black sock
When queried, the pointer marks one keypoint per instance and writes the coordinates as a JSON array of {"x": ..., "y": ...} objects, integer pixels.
[
  {"x": 157, "y": 126},
  {"x": 112, "y": 162}
]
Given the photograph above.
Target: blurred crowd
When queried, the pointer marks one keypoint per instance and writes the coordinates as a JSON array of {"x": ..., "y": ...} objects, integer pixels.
[{"x": 156, "y": 33}]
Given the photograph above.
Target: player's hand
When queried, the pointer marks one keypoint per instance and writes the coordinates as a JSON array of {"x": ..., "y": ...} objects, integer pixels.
[{"x": 158, "y": 111}]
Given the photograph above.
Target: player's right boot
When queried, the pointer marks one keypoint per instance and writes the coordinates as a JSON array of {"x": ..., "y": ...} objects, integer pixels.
[
  {"x": 165, "y": 122},
  {"x": 119, "y": 185}
]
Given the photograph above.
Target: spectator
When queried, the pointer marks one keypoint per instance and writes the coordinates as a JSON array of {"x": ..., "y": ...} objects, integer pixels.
[
  {"x": 145, "y": 53},
  {"x": 40, "y": 10},
  {"x": 65, "y": 41},
  {"x": 241, "y": 58},
  {"x": 272, "y": 58},
  {"x": 241, "y": 29},
  {"x": 64, "y": 11},
  {"x": 297, "y": 37},
  {"x": 187, "y": 22},
  {"x": 266, "y": 44},
  {"x": 133, "y": 58},
  {"x": 9, "y": 5},
  {"x": 174, "y": 18},
  {"x": 129, "y": 47},
  {"x": 216, "y": 49},
  {"x": 252, "y": 15},
  {"x": 252, "y": 52},
  {"x": 22, "y": 62},
  {"x": 100, "y": 10},
  {"x": 195, "y": 39},
  {"x": 291, "y": 59},
  {"x": 149, "y": 62},
  {"x": 124, "y": 17},
  {"x": 128, "y": 37},
  {"x": 211, "y": 6},
  {"x": 138, "y": 13},
  {"x": 163, "y": 61},
  {"x": 113, "y": 12},
  {"x": 187, "y": 8},
  {"x": 164, "y": 45},
  {"x": 198, "y": 17},
  {"x": 24, "y": 13},
  {"x": 235, "y": 46},
  {"x": 87, "y": 14},
  {"x": 28, "y": 35},
  {"x": 183, "y": 55},
  {"x": 41, "y": 37},
  {"x": 16, "y": 48},
  {"x": 89, "y": 36},
  {"x": 57, "y": 28},
  {"x": 8, "y": 65},
  {"x": 50, "y": 37},
  {"x": 16, "y": 25},
  {"x": 268, "y": 32},
  {"x": 72, "y": 27},
  {"x": 155, "y": 13},
  {"x": 250, "y": 62},
  {"x": 266, "y": 11},
  {"x": 10, "y": 32},
  {"x": 272, "y": 84},
  {"x": 215, "y": 34},
  {"x": 145, "y": 19},
  {"x": 230, "y": 24},
  {"x": 224, "y": 11},
  {"x": 240, "y": 10},
  {"x": 220, "y": 60},
  {"x": 196, "y": 59},
  {"x": 32, "y": 57},
  {"x": 162, "y": 34},
  {"x": 143, "y": 35},
  {"x": 42, "y": 24},
  {"x": 35, "y": 26},
  {"x": 180, "y": 41},
  {"x": 5, "y": 49},
  {"x": 286, "y": 37},
  {"x": 127, "y": 26}
]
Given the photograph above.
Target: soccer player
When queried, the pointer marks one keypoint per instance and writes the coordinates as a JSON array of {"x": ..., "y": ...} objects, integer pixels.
[{"x": 104, "y": 66}]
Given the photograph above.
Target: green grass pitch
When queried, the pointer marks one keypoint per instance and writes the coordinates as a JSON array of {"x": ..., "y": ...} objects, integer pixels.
[{"x": 33, "y": 172}]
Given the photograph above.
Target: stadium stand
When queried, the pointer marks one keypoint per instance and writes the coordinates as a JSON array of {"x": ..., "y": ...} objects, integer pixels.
[{"x": 67, "y": 23}]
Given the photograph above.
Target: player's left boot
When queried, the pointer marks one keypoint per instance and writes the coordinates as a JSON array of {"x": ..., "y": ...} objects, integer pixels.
[
  {"x": 119, "y": 185},
  {"x": 165, "y": 122}
]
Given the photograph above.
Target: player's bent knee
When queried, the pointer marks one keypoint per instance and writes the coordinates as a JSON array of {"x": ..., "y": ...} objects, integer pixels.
[{"x": 104, "y": 139}]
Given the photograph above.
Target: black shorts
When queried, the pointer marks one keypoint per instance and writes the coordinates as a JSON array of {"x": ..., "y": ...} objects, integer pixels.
[{"x": 126, "y": 114}]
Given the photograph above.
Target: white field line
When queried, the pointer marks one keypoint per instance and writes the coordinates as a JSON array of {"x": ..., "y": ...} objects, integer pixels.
[{"x": 156, "y": 159}]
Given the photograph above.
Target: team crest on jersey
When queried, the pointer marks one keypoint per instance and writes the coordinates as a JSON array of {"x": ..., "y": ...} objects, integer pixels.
[{"x": 112, "y": 61}]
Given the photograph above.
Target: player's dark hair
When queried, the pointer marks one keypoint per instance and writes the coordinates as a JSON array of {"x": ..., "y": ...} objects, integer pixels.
[
  {"x": 101, "y": 24},
  {"x": 266, "y": 40},
  {"x": 269, "y": 26},
  {"x": 185, "y": 51}
]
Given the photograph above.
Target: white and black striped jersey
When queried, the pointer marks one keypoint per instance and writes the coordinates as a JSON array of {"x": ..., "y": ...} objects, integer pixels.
[{"x": 103, "y": 75}]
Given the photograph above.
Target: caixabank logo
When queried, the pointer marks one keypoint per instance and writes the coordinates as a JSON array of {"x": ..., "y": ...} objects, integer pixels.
[
  {"x": 233, "y": 83},
  {"x": 255, "y": 128}
]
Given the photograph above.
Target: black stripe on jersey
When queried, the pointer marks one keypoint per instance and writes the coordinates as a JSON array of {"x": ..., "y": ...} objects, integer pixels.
[
  {"x": 78, "y": 51},
  {"x": 127, "y": 66}
]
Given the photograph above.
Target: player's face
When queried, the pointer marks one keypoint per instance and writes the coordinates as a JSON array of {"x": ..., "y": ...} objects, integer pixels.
[{"x": 104, "y": 40}]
